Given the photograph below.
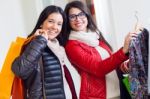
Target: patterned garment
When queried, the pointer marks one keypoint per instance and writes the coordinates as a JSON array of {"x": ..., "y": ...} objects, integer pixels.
[{"x": 138, "y": 65}]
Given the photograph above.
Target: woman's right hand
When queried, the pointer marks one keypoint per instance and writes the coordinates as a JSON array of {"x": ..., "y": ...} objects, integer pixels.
[
  {"x": 130, "y": 36},
  {"x": 42, "y": 33}
]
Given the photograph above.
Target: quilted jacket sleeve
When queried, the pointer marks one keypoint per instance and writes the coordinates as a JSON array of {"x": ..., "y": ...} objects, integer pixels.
[
  {"x": 91, "y": 62},
  {"x": 27, "y": 62}
]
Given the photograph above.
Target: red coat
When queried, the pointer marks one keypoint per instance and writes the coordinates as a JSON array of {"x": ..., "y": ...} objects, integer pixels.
[{"x": 92, "y": 68}]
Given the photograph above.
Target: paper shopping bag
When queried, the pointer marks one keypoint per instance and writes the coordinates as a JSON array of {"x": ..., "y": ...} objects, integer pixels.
[{"x": 7, "y": 78}]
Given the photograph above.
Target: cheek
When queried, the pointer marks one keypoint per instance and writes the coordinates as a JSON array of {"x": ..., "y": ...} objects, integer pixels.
[
  {"x": 57, "y": 34},
  {"x": 71, "y": 24},
  {"x": 45, "y": 25},
  {"x": 59, "y": 29},
  {"x": 86, "y": 22}
]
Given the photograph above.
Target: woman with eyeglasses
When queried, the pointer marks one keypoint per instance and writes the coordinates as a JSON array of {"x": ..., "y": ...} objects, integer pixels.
[{"x": 91, "y": 54}]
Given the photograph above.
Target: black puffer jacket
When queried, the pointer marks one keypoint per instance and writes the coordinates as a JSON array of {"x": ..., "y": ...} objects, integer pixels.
[{"x": 27, "y": 67}]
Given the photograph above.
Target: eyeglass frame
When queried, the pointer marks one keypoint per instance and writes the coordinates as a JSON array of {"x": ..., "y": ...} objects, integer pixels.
[{"x": 80, "y": 15}]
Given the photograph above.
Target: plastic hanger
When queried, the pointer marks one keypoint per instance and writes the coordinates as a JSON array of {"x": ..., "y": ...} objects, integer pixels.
[
  {"x": 138, "y": 26},
  {"x": 137, "y": 20}
]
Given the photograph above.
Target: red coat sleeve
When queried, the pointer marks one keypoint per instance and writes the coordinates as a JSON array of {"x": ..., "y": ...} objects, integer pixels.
[{"x": 87, "y": 59}]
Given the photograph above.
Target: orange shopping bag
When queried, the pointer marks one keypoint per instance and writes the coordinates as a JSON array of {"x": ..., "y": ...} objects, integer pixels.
[{"x": 7, "y": 78}]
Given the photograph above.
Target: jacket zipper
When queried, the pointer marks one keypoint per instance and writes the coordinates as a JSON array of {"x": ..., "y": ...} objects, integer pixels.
[{"x": 42, "y": 74}]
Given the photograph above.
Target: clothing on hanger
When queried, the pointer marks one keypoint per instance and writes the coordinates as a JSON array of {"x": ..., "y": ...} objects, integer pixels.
[{"x": 138, "y": 65}]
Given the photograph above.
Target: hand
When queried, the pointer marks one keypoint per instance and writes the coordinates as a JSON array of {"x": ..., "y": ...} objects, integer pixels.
[
  {"x": 125, "y": 67},
  {"x": 130, "y": 36},
  {"x": 42, "y": 32}
]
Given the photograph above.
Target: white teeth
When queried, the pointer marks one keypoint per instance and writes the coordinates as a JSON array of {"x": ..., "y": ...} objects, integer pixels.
[
  {"x": 51, "y": 32},
  {"x": 78, "y": 24}
]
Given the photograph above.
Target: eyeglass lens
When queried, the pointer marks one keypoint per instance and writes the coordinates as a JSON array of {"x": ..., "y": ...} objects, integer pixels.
[{"x": 81, "y": 15}]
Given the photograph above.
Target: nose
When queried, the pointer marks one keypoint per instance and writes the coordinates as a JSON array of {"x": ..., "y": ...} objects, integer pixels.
[
  {"x": 77, "y": 17},
  {"x": 54, "y": 26}
]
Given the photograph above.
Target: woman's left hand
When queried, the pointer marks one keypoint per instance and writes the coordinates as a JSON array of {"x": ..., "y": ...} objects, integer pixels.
[{"x": 125, "y": 67}]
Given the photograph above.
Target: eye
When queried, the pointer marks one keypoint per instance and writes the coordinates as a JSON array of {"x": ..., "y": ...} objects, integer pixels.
[
  {"x": 81, "y": 14},
  {"x": 72, "y": 16},
  {"x": 50, "y": 21},
  {"x": 60, "y": 24}
]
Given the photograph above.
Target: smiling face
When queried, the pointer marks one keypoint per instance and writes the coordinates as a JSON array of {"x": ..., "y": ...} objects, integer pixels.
[
  {"x": 53, "y": 24},
  {"x": 78, "y": 20}
]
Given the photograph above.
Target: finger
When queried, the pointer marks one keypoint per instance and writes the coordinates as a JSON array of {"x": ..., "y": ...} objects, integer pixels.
[
  {"x": 45, "y": 35},
  {"x": 38, "y": 32},
  {"x": 132, "y": 36},
  {"x": 122, "y": 68},
  {"x": 126, "y": 69}
]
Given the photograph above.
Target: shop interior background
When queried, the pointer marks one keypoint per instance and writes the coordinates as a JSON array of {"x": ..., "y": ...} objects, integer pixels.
[{"x": 115, "y": 18}]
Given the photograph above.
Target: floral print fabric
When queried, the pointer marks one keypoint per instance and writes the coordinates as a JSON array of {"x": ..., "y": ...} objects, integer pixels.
[{"x": 138, "y": 65}]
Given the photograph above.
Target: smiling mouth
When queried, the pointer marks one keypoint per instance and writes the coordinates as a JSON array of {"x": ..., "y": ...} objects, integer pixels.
[
  {"x": 51, "y": 32},
  {"x": 78, "y": 24}
]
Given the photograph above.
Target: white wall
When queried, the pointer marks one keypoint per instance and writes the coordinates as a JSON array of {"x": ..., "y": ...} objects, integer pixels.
[
  {"x": 117, "y": 17},
  {"x": 17, "y": 18},
  {"x": 124, "y": 16},
  {"x": 11, "y": 24},
  {"x": 114, "y": 17},
  {"x": 104, "y": 20}
]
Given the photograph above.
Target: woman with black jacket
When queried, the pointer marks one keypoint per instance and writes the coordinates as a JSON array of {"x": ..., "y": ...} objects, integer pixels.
[{"x": 42, "y": 63}]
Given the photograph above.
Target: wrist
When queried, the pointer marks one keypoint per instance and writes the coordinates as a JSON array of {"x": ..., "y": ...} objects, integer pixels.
[{"x": 125, "y": 52}]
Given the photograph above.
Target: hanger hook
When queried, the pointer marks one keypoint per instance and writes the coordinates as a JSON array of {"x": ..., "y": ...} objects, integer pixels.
[
  {"x": 136, "y": 16},
  {"x": 137, "y": 20}
]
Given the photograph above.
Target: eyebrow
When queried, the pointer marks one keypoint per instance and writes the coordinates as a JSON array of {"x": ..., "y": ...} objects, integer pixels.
[{"x": 76, "y": 14}]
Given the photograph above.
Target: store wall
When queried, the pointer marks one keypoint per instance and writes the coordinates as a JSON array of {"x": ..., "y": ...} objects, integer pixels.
[
  {"x": 17, "y": 18},
  {"x": 124, "y": 16},
  {"x": 116, "y": 18},
  {"x": 11, "y": 24},
  {"x": 104, "y": 20}
]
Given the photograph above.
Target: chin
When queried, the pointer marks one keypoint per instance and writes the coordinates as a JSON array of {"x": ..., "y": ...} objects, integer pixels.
[{"x": 51, "y": 38}]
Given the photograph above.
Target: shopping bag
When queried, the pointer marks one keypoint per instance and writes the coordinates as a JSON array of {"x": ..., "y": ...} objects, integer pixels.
[
  {"x": 126, "y": 83},
  {"x": 17, "y": 91},
  {"x": 7, "y": 78}
]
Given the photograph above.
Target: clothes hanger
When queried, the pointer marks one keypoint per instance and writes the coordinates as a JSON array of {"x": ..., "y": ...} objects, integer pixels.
[
  {"x": 137, "y": 20},
  {"x": 138, "y": 26}
]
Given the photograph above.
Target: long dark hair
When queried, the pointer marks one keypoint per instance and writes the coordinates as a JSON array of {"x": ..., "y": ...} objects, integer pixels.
[
  {"x": 91, "y": 24},
  {"x": 44, "y": 15}
]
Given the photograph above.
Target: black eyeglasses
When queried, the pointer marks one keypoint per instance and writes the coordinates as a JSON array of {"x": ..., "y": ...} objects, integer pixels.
[{"x": 73, "y": 17}]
